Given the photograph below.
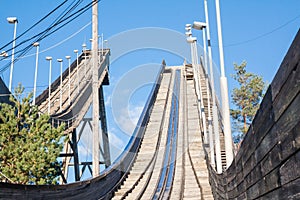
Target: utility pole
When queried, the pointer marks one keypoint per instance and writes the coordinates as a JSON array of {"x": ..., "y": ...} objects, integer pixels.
[
  {"x": 96, "y": 152},
  {"x": 224, "y": 94}
]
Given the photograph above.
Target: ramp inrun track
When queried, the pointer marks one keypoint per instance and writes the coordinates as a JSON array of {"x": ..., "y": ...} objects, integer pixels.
[
  {"x": 171, "y": 162},
  {"x": 163, "y": 159}
]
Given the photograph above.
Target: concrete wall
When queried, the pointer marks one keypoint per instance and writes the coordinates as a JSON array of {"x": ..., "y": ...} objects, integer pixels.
[{"x": 267, "y": 166}]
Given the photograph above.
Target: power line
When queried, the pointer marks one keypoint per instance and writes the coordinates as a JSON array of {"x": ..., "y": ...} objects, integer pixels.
[
  {"x": 46, "y": 33},
  {"x": 53, "y": 24},
  {"x": 60, "y": 42},
  {"x": 43, "y": 18},
  {"x": 263, "y": 35}
]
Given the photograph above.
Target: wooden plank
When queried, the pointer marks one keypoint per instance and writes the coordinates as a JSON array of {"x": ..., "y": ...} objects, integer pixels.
[
  {"x": 288, "y": 92},
  {"x": 272, "y": 139},
  {"x": 289, "y": 144},
  {"x": 290, "y": 170},
  {"x": 289, "y": 62}
]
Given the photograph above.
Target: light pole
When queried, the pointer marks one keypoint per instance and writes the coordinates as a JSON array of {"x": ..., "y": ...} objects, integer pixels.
[
  {"x": 36, "y": 44},
  {"x": 91, "y": 52},
  {"x": 224, "y": 93},
  {"x": 12, "y": 20},
  {"x": 60, "y": 96},
  {"x": 105, "y": 42},
  {"x": 105, "y": 47},
  {"x": 102, "y": 50},
  {"x": 69, "y": 79},
  {"x": 199, "y": 93},
  {"x": 77, "y": 73},
  {"x": 192, "y": 41},
  {"x": 214, "y": 106},
  {"x": 84, "y": 53},
  {"x": 49, "y": 87},
  {"x": 4, "y": 54},
  {"x": 201, "y": 26}
]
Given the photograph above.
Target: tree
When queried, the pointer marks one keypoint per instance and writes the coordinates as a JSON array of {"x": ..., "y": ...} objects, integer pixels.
[
  {"x": 29, "y": 145},
  {"x": 246, "y": 98}
]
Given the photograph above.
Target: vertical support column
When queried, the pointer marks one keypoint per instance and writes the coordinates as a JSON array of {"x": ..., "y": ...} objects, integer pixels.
[
  {"x": 106, "y": 151},
  {"x": 75, "y": 154},
  {"x": 65, "y": 169},
  {"x": 224, "y": 93},
  {"x": 215, "y": 120},
  {"x": 96, "y": 152},
  {"x": 12, "y": 55}
]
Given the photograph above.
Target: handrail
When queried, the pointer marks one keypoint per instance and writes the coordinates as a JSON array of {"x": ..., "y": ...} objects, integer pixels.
[
  {"x": 70, "y": 114},
  {"x": 44, "y": 95}
]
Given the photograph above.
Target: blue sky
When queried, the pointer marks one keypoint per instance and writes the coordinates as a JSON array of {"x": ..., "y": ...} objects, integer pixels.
[
  {"x": 241, "y": 21},
  {"x": 257, "y": 31}
]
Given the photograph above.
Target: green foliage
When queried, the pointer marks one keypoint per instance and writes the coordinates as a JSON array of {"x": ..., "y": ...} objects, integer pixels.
[
  {"x": 246, "y": 97},
  {"x": 29, "y": 145}
]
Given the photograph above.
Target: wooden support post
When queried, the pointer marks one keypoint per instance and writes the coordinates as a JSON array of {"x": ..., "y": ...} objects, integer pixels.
[
  {"x": 75, "y": 152},
  {"x": 106, "y": 155},
  {"x": 96, "y": 152}
]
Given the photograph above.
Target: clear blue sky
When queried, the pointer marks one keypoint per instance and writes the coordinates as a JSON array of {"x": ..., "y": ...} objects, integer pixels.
[
  {"x": 259, "y": 32},
  {"x": 241, "y": 21}
]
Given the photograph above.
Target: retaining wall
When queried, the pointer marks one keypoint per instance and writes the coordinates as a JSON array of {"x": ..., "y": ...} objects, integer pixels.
[{"x": 267, "y": 166}]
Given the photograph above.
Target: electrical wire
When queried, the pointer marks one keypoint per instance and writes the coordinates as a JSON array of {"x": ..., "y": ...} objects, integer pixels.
[
  {"x": 26, "y": 31},
  {"x": 264, "y": 34},
  {"x": 53, "y": 24},
  {"x": 46, "y": 32},
  {"x": 64, "y": 13},
  {"x": 27, "y": 47},
  {"x": 82, "y": 10},
  {"x": 60, "y": 42}
]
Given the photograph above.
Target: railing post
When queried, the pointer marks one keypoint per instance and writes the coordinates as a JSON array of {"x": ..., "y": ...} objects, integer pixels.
[{"x": 105, "y": 140}]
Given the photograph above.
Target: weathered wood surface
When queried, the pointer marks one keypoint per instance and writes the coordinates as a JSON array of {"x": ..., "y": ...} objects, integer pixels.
[
  {"x": 101, "y": 187},
  {"x": 267, "y": 164}
]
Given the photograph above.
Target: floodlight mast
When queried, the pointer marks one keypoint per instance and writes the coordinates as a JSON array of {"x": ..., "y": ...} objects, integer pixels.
[
  {"x": 77, "y": 74},
  {"x": 60, "y": 96},
  {"x": 224, "y": 93},
  {"x": 215, "y": 120},
  {"x": 69, "y": 79},
  {"x": 36, "y": 44},
  {"x": 201, "y": 26},
  {"x": 12, "y": 20},
  {"x": 49, "y": 58}
]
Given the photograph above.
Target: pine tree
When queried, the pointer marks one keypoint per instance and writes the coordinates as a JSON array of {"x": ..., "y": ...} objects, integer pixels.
[
  {"x": 29, "y": 145},
  {"x": 246, "y": 98}
]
